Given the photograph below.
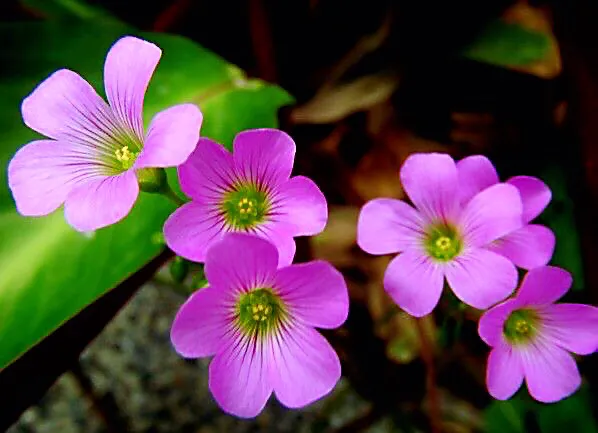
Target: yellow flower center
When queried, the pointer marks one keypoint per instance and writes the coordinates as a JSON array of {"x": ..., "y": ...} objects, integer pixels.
[
  {"x": 245, "y": 207},
  {"x": 443, "y": 242},
  {"x": 125, "y": 157},
  {"x": 521, "y": 326},
  {"x": 259, "y": 312}
]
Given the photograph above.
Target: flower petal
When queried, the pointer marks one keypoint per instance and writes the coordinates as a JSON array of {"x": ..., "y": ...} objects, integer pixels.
[
  {"x": 315, "y": 293},
  {"x": 305, "y": 366},
  {"x": 281, "y": 235},
  {"x": 528, "y": 247},
  {"x": 43, "y": 172},
  {"x": 491, "y": 214},
  {"x": 239, "y": 377},
  {"x": 129, "y": 66},
  {"x": 476, "y": 173},
  {"x": 200, "y": 325},
  {"x": 550, "y": 372},
  {"x": 491, "y": 325},
  {"x": 241, "y": 262},
  {"x": 300, "y": 204},
  {"x": 191, "y": 230},
  {"x": 66, "y": 108},
  {"x": 504, "y": 374},
  {"x": 264, "y": 156},
  {"x": 101, "y": 202},
  {"x": 481, "y": 278},
  {"x": 535, "y": 195},
  {"x": 544, "y": 285},
  {"x": 388, "y": 226},
  {"x": 430, "y": 180},
  {"x": 208, "y": 172},
  {"x": 171, "y": 137},
  {"x": 414, "y": 282},
  {"x": 572, "y": 326}
]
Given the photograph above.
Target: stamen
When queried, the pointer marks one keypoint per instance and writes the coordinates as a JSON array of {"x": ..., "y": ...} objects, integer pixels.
[
  {"x": 125, "y": 157},
  {"x": 443, "y": 242},
  {"x": 260, "y": 312},
  {"x": 521, "y": 326},
  {"x": 245, "y": 207}
]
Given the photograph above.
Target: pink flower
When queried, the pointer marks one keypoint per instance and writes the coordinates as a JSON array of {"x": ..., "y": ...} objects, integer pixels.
[
  {"x": 94, "y": 150},
  {"x": 246, "y": 191},
  {"x": 531, "y": 336},
  {"x": 442, "y": 237},
  {"x": 529, "y": 246},
  {"x": 258, "y": 322}
]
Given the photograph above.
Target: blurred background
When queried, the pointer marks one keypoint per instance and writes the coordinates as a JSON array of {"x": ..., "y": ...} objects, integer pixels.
[{"x": 359, "y": 86}]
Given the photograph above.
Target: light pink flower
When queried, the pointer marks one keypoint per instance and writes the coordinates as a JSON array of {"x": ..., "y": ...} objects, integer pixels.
[
  {"x": 258, "y": 323},
  {"x": 531, "y": 338},
  {"x": 249, "y": 190},
  {"x": 95, "y": 150},
  {"x": 529, "y": 246},
  {"x": 443, "y": 237}
]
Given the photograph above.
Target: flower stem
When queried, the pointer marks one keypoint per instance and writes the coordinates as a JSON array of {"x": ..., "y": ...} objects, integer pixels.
[
  {"x": 170, "y": 194},
  {"x": 427, "y": 354}
]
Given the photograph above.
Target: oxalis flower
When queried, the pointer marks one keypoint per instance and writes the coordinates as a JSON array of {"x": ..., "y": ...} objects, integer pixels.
[
  {"x": 258, "y": 322},
  {"x": 442, "y": 237},
  {"x": 95, "y": 150},
  {"x": 246, "y": 191},
  {"x": 531, "y": 338},
  {"x": 530, "y": 246}
]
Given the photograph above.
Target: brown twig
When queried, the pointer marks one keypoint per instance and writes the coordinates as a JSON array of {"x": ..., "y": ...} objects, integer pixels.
[
  {"x": 169, "y": 16},
  {"x": 427, "y": 353}
]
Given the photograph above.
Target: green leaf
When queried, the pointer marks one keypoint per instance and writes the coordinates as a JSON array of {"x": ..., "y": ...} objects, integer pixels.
[
  {"x": 573, "y": 414},
  {"x": 66, "y": 9},
  {"x": 48, "y": 271},
  {"x": 252, "y": 93},
  {"x": 505, "y": 416},
  {"x": 508, "y": 45}
]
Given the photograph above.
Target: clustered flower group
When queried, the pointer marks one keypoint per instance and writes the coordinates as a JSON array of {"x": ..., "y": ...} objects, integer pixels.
[{"x": 258, "y": 315}]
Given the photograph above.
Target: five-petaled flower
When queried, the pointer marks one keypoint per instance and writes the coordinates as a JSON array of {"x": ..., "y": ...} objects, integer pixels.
[
  {"x": 530, "y": 246},
  {"x": 95, "y": 150},
  {"x": 259, "y": 323},
  {"x": 531, "y": 338},
  {"x": 246, "y": 191},
  {"x": 442, "y": 237}
]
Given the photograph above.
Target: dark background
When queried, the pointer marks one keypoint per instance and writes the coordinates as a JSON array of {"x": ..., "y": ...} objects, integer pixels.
[{"x": 373, "y": 82}]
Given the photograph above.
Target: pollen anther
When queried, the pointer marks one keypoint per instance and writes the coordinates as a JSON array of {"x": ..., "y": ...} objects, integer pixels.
[
  {"x": 260, "y": 311},
  {"x": 125, "y": 157}
]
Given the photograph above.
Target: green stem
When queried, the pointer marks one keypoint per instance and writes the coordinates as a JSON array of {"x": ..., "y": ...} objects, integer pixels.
[{"x": 170, "y": 194}]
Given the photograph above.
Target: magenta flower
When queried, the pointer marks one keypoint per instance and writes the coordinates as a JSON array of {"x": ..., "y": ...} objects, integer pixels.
[
  {"x": 529, "y": 246},
  {"x": 259, "y": 323},
  {"x": 246, "y": 191},
  {"x": 441, "y": 237},
  {"x": 531, "y": 338},
  {"x": 95, "y": 150}
]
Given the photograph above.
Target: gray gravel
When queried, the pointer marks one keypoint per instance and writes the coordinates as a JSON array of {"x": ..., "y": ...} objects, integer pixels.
[{"x": 157, "y": 391}]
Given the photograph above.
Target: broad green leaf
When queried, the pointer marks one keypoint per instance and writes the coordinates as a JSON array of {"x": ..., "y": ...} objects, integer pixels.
[
  {"x": 506, "y": 44},
  {"x": 522, "y": 40},
  {"x": 67, "y": 9},
  {"x": 505, "y": 416},
  {"x": 251, "y": 93},
  {"x": 573, "y": 414},
  {"x": 48, "y": 271}
]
